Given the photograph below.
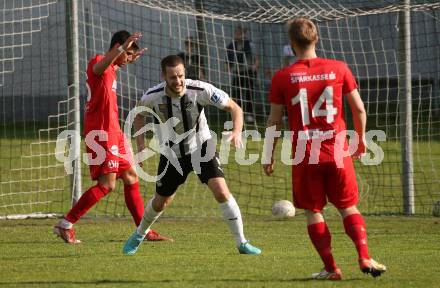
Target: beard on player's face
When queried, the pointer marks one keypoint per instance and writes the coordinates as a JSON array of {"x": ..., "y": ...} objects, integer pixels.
[{"x": 175, "y": 78}]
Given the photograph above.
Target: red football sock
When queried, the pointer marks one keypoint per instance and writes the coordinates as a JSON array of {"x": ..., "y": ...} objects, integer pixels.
[
  {"x": 355, "y": 228},
  {"x": 321, "y": 239},
  {"x": 134, "y": 202},
  {"x": 87, "y": 201}
]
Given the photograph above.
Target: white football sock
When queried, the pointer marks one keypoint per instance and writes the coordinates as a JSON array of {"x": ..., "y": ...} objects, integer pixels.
[
  {"x": 150, "y": 216},
  {"x": 232, "y": 216},
  {"x": 63, "y": 223}
]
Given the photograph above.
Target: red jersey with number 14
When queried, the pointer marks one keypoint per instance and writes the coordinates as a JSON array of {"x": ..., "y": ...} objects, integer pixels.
[
  {"x": 101, "y": 111},
  {"x": 312, "y": 90}
]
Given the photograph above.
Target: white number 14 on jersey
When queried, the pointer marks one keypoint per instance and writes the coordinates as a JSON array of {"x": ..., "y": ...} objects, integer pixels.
[{"x": 326, "y": 96}]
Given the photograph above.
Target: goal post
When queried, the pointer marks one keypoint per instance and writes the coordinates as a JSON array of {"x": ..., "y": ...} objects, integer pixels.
[
  {"x": 73, "y": 71},
  {"x": 406, "y": 124},
  {"x": 395, "y": 59}
]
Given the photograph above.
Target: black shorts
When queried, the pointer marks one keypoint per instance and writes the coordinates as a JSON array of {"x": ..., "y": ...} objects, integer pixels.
[{"x": 172, "y": 179}]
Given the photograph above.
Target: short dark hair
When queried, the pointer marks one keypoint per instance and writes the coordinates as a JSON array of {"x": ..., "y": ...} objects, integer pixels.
[
  {"x": 171, "y": 61},
  {"x": 120, "y": 37}
]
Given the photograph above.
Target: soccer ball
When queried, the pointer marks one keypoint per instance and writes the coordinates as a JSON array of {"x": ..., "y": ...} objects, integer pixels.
[
  {"x": 436, "y": 209},
  {"x": 283, "y": 209}
]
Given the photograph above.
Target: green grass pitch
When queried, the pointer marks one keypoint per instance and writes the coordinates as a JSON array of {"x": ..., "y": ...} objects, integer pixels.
[{"x": 203, "y": 254}]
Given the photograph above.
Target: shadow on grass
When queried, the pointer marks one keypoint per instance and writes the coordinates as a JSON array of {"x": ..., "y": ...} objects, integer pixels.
[{"x": 173, "y": 281}]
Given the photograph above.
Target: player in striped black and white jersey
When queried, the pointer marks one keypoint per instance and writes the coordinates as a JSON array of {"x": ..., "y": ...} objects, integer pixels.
[
  {"x": 197, "y": 95},
  {"x": 184, "y": 144}
]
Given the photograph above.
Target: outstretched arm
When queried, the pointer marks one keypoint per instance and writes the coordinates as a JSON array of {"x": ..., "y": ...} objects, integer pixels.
[
  {"x": 359, "y": 120},
  {"x": 110, "y": 57},
  {"x": 275, "y": 118},
  {"x": 237, "y": 121}
]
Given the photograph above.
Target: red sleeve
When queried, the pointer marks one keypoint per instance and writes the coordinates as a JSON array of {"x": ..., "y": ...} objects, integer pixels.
[
  {"x": 276, "y": 93},
  {"x": 98, "y": 58},
  {"x": 349, "y": 81},
  {"x": 92, "y": 63}
]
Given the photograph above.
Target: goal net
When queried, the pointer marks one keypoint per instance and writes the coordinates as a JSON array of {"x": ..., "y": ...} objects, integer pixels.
[{"x": 36, "y": 105}]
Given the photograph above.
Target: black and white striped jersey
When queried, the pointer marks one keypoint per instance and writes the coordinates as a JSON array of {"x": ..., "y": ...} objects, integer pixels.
[{"x": 188, "y": 109}]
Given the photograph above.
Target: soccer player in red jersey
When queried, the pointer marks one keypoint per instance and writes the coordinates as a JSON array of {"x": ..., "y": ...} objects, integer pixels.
[
  {"x": 313, "y": 89},
  {"x": 101, "y": 126}
]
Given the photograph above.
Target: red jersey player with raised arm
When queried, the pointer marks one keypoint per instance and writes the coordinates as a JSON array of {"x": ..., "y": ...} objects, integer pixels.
[
  {"x": 313, "y": 89},
  {"x": 101, "y": 128}
]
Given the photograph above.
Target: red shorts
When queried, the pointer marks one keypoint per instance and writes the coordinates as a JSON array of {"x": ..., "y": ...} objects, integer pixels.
[
  {"x": 116, "y": 159},
  {"x": 313, "y": 184}
]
